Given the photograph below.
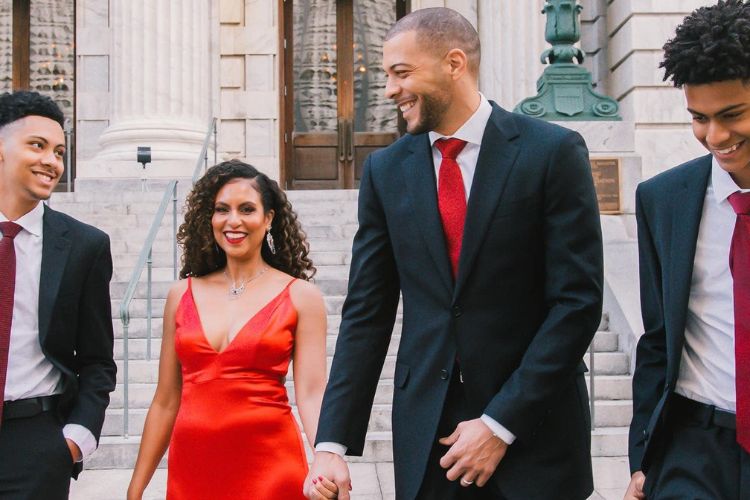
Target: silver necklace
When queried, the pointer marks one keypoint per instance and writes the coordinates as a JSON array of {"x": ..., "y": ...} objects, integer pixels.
[{"x": 237, "y": 290}]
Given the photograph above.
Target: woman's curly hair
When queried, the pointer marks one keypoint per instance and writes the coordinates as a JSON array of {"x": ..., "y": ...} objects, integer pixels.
[
  {"x": 202, "y": 255},
  {"x": 711, "y": 45}
]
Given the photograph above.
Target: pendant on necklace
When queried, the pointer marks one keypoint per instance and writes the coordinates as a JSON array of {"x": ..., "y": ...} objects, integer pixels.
[{"x": 235, "y": 292}]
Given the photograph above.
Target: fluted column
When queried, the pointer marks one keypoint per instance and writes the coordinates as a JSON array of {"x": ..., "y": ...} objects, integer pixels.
[
  {"x": 512, "y": 36},
  {"x": 159, "y": 81}
]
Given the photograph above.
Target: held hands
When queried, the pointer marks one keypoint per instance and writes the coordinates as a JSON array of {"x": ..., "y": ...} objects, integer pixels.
[
  {"x": 328, "y": 477},
  {"x": 635, "y": 488},
  {"x": 474, "y": 453}
]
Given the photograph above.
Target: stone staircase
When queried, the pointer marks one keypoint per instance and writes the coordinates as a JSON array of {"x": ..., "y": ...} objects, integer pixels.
[{"x": 329, "y": 219}]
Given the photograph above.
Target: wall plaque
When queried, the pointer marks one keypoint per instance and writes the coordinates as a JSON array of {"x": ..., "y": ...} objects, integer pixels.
[{"x": 606, "y": 173}]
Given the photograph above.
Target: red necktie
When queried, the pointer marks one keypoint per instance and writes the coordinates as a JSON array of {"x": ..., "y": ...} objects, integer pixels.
[
  {"x": 7, "y": 288},
  {"x": 451, "y": 198},
  {"x": 739, "y": 264}
]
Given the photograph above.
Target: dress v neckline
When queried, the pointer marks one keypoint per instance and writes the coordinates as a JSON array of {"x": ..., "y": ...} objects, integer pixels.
[{"x": 244, "y": 325}]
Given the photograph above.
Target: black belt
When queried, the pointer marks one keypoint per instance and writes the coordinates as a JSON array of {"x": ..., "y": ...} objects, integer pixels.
[
  {"x": 685, "y": 408},
  {"x": 25, "y": 408}
]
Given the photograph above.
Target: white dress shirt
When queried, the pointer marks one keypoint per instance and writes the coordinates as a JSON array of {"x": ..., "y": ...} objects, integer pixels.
[
  {"x": 30, "y": 374},
  {"x": 472, "y": 132},
  {"x": 707, "y": 364}
]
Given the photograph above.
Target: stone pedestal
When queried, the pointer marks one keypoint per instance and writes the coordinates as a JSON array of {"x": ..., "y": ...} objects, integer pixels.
[
  {"x": 160, "y": 94},
  {"x": 621, "y": 294}
]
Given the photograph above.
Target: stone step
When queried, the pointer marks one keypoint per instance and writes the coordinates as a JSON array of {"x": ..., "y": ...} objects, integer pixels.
[
  {"x": 159, "y": 289},
  {"x": 146, "y": 372},
  {"x": 609, "y": 442},
  {"x": 615, "y": 388},
  {"x": 137, "y": 327},
  {"x": 140, "y": 395},
  {"x": 606, "y": 414},
  {"x": 117, "y": 452},
  {"x": 137, "y": 345}
]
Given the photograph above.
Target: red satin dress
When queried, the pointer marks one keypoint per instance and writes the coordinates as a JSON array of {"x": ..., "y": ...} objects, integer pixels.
[{"x": 235, "y": 436}]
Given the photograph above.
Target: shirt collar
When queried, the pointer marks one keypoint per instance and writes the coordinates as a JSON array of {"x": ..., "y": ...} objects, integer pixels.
[
  {"x": 31, "y": 221},
  {"x": 472, "y": 130},
  {"x": 722, "y": 182}
]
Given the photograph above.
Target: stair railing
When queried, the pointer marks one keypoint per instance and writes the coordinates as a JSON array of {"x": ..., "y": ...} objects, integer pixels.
[
  {"x": 592, "y": 387},
  {"x": 145, "y": 260}
]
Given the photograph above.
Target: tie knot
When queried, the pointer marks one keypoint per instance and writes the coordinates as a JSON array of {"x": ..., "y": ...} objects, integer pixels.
[
  {"x": 740, "y": 203},
  {"x": 450, "y": 148},
  {"x": 9, "y": 229}
]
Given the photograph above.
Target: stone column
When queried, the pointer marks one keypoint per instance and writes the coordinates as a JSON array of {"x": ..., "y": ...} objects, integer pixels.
[
  {"x": 160, "y": 95},
  {"x": 512, "y": 36}
]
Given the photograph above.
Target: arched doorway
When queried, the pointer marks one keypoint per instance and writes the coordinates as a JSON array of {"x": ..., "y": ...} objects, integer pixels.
[{"x": 334, "y": 112}]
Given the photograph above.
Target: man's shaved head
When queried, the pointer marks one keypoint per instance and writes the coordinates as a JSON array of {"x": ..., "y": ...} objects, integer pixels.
[{"x": 440, "y": 29}]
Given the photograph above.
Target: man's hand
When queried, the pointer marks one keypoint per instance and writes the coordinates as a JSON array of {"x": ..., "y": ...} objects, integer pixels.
[
  {"x": 331, "y": 467},
  {"x": 474, "y": 453},
  {"x": 635, "y": 488},
  {"x": 75, "y": 451}
]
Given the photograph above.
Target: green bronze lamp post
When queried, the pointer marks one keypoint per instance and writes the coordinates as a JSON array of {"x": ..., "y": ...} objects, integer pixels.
[{"x": 564, "y": 91}]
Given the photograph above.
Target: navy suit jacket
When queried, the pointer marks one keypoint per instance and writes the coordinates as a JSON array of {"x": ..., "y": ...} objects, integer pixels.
[
  {"x": 668, "y": 209},
  {"x": 525, "y": 305},
  {"x": 75, "y": 318}
]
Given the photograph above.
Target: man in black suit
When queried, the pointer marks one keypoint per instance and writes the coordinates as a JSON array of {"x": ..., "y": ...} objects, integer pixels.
[
  {"x": 56, "y": 363},
  {"x": 690, "y": 433},
  {"x": 486, "y": 222}
]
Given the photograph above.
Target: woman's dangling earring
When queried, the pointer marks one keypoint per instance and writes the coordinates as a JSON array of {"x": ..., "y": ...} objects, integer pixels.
[{"x": 269, "y": 240}]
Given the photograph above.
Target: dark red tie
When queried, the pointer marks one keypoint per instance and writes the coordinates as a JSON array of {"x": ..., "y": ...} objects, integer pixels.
[
  {"x": 7, "y": 288},
  {"x": 451, "y": 198},
  {"x": 739, "y": 264}
]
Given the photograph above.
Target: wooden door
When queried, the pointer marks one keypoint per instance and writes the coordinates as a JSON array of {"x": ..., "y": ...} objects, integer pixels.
[
  {"x": 335, "y": 112},
  {"x": 37, "y": 52}
]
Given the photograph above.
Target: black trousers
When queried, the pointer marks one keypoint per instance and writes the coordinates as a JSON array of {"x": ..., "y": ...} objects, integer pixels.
[
  {"x": 696, "y": 459},
  {"x": 435, "y": 486},
  {"x": 35, "y": 462}
]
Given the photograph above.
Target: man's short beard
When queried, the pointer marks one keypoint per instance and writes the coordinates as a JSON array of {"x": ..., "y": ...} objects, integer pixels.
[{"x": 431, "y": 114}]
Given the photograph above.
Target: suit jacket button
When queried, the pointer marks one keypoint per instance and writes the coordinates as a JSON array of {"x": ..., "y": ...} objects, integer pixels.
[
  {"x": 457, "y": 311},
  {"x": 444, "y": 374}
]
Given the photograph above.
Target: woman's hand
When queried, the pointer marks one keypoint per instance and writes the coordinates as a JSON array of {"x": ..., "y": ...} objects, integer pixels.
[{"x": 324, "y": 488}]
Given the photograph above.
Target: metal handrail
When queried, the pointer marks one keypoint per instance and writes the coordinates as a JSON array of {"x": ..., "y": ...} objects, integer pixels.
[
  {"x": 203, "y": 156},
  {"x": 145, "y": 260}
]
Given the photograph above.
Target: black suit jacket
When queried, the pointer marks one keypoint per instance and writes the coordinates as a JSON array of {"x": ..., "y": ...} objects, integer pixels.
[
  {"x": 525, "y": 305},
  {"x": 668, "y": 209},
  {"x": 75, "y": 319}
]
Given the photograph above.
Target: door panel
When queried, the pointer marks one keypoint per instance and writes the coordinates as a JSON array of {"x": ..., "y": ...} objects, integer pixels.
[{"x": 335, "y": 109}]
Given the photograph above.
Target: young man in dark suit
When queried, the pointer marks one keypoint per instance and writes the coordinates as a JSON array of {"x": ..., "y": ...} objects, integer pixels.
[
  {"x": 56, "y": 363},
  {"x": 690, "y": 434},
  {"x": 486, "y": 223}
]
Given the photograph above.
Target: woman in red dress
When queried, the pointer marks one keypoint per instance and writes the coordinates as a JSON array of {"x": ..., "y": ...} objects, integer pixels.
[{"x": 231, "y": 327}]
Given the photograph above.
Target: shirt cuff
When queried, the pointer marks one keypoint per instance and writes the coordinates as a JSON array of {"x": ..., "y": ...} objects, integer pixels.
[
  {"x": 338, "y": 449},
  {"x": 82, "y": 437},
  {"x": 498, "y": 429}
]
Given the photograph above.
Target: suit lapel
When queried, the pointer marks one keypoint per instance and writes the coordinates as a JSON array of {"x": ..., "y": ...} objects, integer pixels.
[
  {"x": 419, "y": 173},
  {"x": 55, "y": 251},
  {"x": 686, "y": 211},
  {"x": 496, "y": 158}
]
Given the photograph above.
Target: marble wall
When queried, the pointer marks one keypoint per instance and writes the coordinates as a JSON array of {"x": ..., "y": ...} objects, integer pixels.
[
  {"x": 636, "y": 31},
  {"x": 248, "y": 82},
  {"x": 622, "y": 40}
]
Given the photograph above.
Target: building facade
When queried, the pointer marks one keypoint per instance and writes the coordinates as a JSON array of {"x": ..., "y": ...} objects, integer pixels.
[{"x": 296, "y": 85}]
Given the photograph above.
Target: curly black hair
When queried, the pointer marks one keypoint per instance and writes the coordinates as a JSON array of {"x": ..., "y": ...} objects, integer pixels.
[
  {"x": 20, "y": 104},
  {"x": 711, "y": 45},
  {"x": 202, "y": 255}
]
